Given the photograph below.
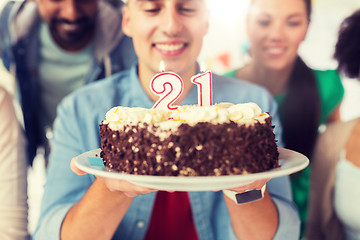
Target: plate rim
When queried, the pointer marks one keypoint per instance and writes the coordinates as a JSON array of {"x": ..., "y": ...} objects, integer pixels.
[{"x": 80, "y": 162}]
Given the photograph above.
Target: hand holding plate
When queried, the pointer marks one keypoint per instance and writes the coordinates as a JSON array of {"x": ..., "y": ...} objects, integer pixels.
[
  {"x": 116, "y": 185},
  {"x": 247, "y": 193},
  {"x": 127, "y": 188},
  {"x": 256, "y": 185}
]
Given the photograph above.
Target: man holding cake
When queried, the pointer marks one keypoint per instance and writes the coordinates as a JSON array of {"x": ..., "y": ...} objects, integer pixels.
[{"x": 89, "y": 207}]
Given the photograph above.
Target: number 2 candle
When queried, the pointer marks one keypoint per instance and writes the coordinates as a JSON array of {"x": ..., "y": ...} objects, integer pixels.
[{"x": 168, "y": 86}]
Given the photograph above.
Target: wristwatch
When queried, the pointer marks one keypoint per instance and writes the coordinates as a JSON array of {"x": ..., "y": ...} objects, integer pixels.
[{"x": 245, "y": 197}]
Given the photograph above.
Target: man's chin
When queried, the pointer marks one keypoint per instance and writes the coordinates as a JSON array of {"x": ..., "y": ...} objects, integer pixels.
[{"x": 73, "y": 40}]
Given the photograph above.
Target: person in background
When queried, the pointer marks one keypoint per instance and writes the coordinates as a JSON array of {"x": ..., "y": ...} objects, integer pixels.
[
  {"x": 116, "y": 3},
  {"x": 334, "y": 209},
  {"x": 306, "y": 97},
  {"x": 89, "y": 207},
  {"x": 55, "y": 47},
  {"x": 13, "y": 172}
]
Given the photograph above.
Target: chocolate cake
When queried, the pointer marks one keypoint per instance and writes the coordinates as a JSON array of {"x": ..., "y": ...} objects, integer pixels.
[{"x": 223, "y": 139}]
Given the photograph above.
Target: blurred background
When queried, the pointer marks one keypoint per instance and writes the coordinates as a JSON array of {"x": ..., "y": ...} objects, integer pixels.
[
  {"x": 226, "y": 43},
  {"x": 225, "y": 48}
]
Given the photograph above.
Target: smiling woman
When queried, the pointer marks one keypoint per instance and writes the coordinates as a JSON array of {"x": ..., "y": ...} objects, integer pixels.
[{"x": 306, "y": 97}]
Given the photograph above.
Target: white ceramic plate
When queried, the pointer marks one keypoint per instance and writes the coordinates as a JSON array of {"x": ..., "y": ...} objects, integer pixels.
[{"x": 290, "y": 162}]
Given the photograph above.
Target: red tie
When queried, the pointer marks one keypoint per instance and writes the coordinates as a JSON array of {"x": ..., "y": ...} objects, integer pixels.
[{"x": 171, "y": 218}]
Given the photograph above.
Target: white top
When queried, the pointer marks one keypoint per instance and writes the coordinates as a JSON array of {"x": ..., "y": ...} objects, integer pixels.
[
  {"x": 347, "y": 197},
  {"x": 13, "y": 169}
]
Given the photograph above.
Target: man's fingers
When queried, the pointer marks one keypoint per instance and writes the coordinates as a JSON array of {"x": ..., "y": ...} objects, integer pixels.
[
  {"x": 256, "y": 185},
  {"x": 75, "y": 169}
]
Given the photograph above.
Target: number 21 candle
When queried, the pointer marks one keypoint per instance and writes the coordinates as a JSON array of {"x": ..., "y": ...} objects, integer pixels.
[{"x": 169, "y": 87}]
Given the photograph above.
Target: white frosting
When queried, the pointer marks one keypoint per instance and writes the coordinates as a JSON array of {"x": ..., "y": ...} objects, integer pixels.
[
  {"x": 133, "y": 116},
  {"x": 246, "y": 113}
]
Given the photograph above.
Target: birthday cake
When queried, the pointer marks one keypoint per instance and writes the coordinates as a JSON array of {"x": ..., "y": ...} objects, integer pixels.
[{"x": 222, "y": 139}]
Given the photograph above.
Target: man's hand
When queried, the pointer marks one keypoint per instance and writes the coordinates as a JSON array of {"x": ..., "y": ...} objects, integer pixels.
[
  {"x": 116, "y": 185},
  {"x": 256, "y": 185}
]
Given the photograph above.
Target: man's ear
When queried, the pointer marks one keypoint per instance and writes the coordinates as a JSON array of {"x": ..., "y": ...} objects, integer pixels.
[
  {"x": 126, "y": 23},
  {"x": 207, "y": 21}
]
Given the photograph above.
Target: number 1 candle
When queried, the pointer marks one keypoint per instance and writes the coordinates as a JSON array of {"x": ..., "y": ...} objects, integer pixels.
[
  {"x": 204, "y": 82},
  {"x": 168, "y": 86}
]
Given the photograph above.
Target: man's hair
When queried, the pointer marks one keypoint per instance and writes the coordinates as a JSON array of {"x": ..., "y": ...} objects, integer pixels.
[
  {"x": 347, "y": 48},
  {"x": 115, "y": 3}
]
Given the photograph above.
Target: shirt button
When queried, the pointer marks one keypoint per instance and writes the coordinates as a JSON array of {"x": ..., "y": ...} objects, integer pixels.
[{"x": 140, "y": 224}]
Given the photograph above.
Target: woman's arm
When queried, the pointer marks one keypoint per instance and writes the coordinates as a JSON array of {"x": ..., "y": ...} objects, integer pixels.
[
  {"x": 13, "y": 172},
  {"x": 335, "y": 115},
  {"x": 353, "y": 146}
]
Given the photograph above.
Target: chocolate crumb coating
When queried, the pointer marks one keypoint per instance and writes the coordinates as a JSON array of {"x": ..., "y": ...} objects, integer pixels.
[{"x": 204, "y": 149}]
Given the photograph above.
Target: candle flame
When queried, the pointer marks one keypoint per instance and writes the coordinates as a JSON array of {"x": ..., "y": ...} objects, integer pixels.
[
  {"x": 162, "y": 66},
  {"x": 202, "y": 67}
]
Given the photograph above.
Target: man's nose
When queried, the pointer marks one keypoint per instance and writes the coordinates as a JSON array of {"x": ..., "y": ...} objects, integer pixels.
[
  {"x": 171, "y": 22},
  {"x": 70, "y": 10}
]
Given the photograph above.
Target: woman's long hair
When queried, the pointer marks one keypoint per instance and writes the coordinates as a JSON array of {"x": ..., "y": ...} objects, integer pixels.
[{"x": 300, "y": 112}]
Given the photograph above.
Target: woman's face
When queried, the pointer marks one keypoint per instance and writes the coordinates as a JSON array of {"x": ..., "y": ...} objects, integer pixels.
[{"x": 275, "y": 29}]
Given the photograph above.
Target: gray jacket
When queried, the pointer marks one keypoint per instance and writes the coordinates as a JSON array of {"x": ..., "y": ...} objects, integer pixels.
[{"x": 19, "y": 26}]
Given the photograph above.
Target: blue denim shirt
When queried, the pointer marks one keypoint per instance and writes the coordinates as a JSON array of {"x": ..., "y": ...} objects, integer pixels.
[
  {"x": 19, "y": 50},
  {"x": 76, "y": 131}
]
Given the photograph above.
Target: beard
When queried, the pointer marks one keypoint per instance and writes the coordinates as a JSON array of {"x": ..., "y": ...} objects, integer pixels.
[{"x": 72, "y": 33}]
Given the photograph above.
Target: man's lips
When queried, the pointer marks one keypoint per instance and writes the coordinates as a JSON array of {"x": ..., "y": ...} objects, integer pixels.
[
  {"x": 70, "y": 27},
  {"x": 170, "y": 48}
]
